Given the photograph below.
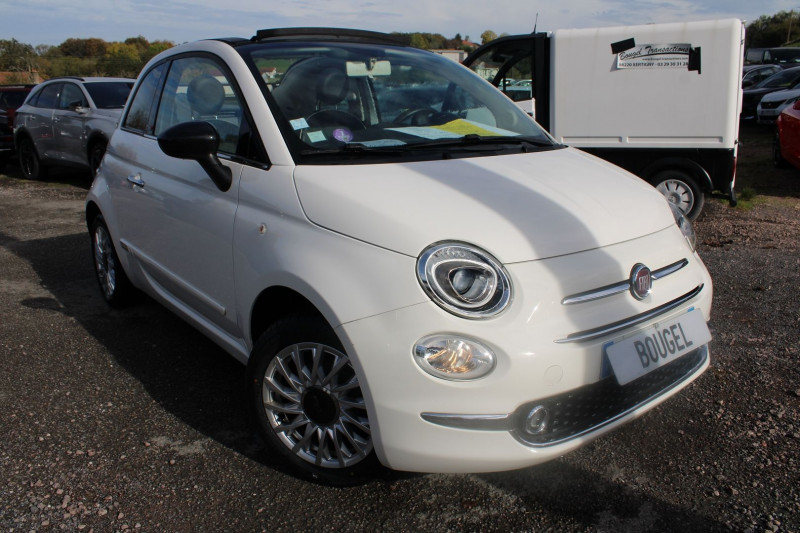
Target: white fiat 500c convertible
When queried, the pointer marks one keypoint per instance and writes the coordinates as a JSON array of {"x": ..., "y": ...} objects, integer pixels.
[{"x": 413, "y": 271}]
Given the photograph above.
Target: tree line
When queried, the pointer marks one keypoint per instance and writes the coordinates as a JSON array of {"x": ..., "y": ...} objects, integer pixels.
[
  {"x": 772, "y": 31},
  {"x": 96, "y": 57},
  {"x": 77, "y": 57}
]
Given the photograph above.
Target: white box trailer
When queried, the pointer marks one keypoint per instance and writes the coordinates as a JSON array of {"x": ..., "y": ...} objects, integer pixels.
[{"x": 660, "y": 100}]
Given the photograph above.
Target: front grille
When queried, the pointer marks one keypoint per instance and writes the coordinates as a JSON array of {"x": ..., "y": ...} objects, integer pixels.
[{"x": 585, "y": 409}]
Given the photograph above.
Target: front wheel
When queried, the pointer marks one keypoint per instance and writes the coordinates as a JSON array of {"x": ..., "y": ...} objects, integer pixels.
[
  {"x": 308, "y": 402},
  {"x": 681, "y": 190}
]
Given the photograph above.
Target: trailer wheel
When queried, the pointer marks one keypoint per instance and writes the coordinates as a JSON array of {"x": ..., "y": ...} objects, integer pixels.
[{"x": 682, "y": 190}]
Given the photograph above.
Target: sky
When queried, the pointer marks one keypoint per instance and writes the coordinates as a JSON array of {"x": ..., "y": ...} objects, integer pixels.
[{"x": 37, "y": 22}]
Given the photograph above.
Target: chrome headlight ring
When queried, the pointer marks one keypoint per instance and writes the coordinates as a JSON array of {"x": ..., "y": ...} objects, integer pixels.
[
  {"x": 684, "y": 225},
  {"x": 464, "y": 280}
]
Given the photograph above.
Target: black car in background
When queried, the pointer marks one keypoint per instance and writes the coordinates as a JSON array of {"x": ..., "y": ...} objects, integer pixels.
[
  {"x": 11, "y": 98},
  {"x": 785, "y": 79},
  {"x": 752, "y": 75}
]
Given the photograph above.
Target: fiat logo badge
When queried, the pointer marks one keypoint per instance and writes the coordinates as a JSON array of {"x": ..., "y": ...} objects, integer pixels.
[{"x": 641, "y": 281}]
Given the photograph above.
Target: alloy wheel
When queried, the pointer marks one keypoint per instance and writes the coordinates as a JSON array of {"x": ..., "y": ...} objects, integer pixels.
[{"x": 313, "y": 401}]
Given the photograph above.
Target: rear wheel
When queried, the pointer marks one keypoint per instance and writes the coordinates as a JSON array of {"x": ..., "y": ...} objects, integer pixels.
[
  {"x": 308, "y": 402},
  {"x": 114, "y": 284},
  {"x": 682, "y": 190},
  {"x": 96, "y": 152},
  {"x": 29, "y": 162}
]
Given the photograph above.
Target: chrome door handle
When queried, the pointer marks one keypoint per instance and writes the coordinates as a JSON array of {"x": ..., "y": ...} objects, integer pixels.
[{"x": 136, "y": 180}]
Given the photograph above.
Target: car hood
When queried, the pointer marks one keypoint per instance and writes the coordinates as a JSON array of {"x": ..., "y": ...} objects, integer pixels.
[
  {"x": 517, "y": 207},
  {"x": 779, "y": 96}
]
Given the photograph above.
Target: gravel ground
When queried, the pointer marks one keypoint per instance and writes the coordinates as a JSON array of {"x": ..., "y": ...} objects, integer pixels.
[{"x": 131, "y": 421}]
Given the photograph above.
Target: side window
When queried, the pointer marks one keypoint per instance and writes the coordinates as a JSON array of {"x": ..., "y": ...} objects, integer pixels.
[
  {"x": 197, "y": 88},
  {"x": 48, "y": 97},
  {"x": 140, "y": 115},
  {"x": 71, "y": 96}
]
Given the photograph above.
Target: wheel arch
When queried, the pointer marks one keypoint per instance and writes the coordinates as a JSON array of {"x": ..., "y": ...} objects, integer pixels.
[
  {"x": 694, "y": 169},
  {"x": 91, "y": 212},
  {"x": 276, "y": 302},
  {"x": 95, "y": 137}
]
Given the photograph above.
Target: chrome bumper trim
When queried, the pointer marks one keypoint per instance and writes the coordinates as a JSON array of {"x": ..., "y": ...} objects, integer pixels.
[
  {"x": 591, "y": 334},
  {"x": 510, "y": 422},
  {"x": 622, "y": 286}
]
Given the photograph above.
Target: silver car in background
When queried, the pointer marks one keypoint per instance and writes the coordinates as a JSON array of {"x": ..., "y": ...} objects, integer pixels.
[{"x": 68, "y": 121}]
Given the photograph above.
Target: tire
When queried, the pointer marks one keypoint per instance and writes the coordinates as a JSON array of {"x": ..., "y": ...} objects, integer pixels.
[
  {"x": 777, "y": 156},
  {"x": 682, "y": 190},
  {"x": 308, "y": 404},
  {"x": 96, "y": 152},
  {"x": 114, "y": 284},
  {"x": 29, "y": 162}
]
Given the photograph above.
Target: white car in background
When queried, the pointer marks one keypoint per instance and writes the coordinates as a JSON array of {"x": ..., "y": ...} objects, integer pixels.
[
  {"x": 413, "y": 271},
  {"x": 772, "y": 104}
]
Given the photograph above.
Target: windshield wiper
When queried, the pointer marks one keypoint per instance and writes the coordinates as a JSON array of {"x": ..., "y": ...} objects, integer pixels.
[
  {"x": 357, "y": 148},
  {"x": 474, "y": 140}
]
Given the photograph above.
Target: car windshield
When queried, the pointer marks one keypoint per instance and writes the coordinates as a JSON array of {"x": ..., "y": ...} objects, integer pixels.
[
  {"x": 339, "y": 97},
  {"x": 783, "y": 79},
  {"x": 791, "y": 55},
  {"x": 109, "y": 94},
  {"x": 12, "y": 99}
]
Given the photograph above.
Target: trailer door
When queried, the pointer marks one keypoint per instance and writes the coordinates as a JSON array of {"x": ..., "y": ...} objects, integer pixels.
[{"x": 518, "y": 66}]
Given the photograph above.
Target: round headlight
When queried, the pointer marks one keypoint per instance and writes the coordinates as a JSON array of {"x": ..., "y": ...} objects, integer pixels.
[
  {"x": 453, "y": 357},
  {"x": 464, "y": 280},
  {"x": 684, "y": 225}
]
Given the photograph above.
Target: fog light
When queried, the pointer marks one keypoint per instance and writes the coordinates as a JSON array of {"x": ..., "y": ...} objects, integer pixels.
[
  {"x": 453, "y": 358},
  {"x": 538, "y": 420}
]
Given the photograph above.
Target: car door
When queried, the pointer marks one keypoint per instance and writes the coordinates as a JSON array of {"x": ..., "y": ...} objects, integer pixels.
[
  {"x": 69, "y": 119},
  {"x": 518, "y": 66},
  {"x": 174, "y": 221},
  {"x": 38, "y": 119}
]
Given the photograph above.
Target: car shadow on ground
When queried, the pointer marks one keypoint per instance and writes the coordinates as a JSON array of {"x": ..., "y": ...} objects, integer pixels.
[
  {"x": 74, "y": 176},
  {"x": 196, "y": 381}
]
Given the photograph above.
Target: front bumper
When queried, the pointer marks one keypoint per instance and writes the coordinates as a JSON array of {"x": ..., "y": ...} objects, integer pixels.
[
  {"x": 768, "y": 116},
  {"x": 422, "y": 423}
]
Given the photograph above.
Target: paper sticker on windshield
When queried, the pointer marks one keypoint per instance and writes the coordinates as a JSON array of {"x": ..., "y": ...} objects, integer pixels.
[
  {"x": 316, "y": 136},
  {"x": 427, "y": 133},
  {"x": 468, "y": 127},
  {"x": 299, "y": 123},
  {"x": 648, "y": 56}
]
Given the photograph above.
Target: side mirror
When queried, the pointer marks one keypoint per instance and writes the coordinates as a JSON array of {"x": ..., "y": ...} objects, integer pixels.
[
  {"x": 197, "y": 141},
  {"x": 77, "y": 106},
  {"x": 796, "y": 106},
  {"x": 747, "y": 83}
]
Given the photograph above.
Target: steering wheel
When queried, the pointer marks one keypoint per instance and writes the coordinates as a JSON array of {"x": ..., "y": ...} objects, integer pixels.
[
  {"x": 335, "y": 117},
  {"x": 420, "y": 116}
]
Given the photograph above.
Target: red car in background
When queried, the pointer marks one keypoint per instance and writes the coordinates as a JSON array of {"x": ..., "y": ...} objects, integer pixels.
[
  {"x": 786, "y": 148},
  {"x": 11, "y": 98}
]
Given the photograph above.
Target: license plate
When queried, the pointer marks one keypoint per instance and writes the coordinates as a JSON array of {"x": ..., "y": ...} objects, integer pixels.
[{"x": 653, "y": 347}]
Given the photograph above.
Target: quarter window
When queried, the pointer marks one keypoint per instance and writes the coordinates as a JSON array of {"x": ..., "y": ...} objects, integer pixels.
[
  {"x": 140, "y": 116},
  {"x": 48, "y": 98}
]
